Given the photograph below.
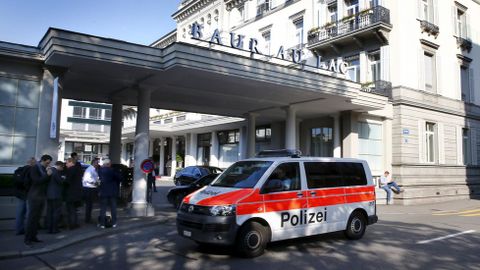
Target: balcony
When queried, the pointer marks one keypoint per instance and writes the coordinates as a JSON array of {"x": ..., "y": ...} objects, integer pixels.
[
  {"x": 379, "y": 87},
  {"x": 464, "y": 44},
  {"x": 263, "y": 8},
  {"x": 357, "y": 30},
  {"x": 429, "y": 28}
]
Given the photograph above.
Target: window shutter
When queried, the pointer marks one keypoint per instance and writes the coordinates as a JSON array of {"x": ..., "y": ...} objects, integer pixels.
[
  {"x": 421, "y": 141},
  {"x": 441, "y": 143},
  {"x": 419, "y": 9},
  {"x": 384, "y": 63},
  {"x": 471, "y": 78},
  {"x": 459, "y": 140},
  {"x": 467, "y": 26},
  {"x": 438, "y": 73},
  {"x": 431, "y": 11},
  {"x": 454, "y": 20},
  {"x": 473, "y": 142},
  {"x": 421, "y": 70},
  {"x": 435, "y": 12}
]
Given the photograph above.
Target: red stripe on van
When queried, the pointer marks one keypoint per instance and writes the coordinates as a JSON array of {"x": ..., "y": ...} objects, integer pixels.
[
  {"x": 231, "y": 197},
  {"x": 250, "y": 208}
]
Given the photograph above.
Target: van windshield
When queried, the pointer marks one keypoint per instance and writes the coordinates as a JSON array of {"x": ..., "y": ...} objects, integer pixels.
[{"x": 242, "y": 174}]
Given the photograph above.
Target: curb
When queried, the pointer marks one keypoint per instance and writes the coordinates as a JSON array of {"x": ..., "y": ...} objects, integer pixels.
[{"x": 78, "y": 239}]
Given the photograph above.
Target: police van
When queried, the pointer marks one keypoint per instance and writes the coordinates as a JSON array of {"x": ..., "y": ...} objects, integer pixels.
[{"x": 280, "y": 195}]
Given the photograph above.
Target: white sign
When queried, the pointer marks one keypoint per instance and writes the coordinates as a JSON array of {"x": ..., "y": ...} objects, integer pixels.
[{"x": 53, "y": 120}]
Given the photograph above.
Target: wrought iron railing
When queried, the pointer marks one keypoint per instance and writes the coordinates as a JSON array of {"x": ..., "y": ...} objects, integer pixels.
[
  {"x": 379, "y": 87},
  {"x": 350, "y": 24},
  {"x": 262, "y": 8},
  {"x": 429, "y": 28}
]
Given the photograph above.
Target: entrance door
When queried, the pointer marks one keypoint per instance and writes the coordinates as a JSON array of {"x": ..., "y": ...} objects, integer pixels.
[{"x": 321, "y": 142}]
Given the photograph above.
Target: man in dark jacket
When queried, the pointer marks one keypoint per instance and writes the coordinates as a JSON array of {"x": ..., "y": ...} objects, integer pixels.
[
  {"x": 73, "y": 191},
  {"x": 54, "y": 197},
  {"x": 39, "y": 177},
  {"x": 21, "y": 189},
  {"x": 151, "y": 183},
  {"x": 108, "y": 192}
]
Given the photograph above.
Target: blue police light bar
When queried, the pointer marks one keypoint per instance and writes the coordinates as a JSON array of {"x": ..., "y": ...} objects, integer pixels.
[{"x": 294, "y": 153}]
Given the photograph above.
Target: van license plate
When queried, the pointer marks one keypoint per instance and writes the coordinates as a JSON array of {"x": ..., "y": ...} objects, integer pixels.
[{"x": 187, "y": 233}]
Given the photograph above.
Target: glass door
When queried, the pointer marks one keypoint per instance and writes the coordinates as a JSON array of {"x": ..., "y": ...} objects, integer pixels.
[{"x": 321, "y": 142}]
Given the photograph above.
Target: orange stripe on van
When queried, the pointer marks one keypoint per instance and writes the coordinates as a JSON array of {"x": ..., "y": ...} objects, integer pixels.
[
  {"x": 250, "y": 208},
  {"x": 231, "y": 197}
]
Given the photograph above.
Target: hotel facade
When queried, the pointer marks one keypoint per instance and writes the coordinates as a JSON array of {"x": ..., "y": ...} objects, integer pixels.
[{"x": 393, "y": 82}]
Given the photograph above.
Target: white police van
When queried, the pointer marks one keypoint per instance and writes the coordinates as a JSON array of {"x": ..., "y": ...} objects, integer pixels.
[{"x": 280, "y": 195}]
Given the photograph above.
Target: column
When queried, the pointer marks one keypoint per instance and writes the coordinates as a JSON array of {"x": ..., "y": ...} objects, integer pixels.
[
  {"x": 174, "y": 156},
  {"x": 214, "y": 150},
  {"x": 139, "y": 206},
  {"x": 251, "y": 127},
  {"x": 46, "y": 144},
  {"x": 290, "y": 128},
  {"x": 349, "y": 134},
  {"x": 115, "y": 147},
  {"x": 192, "y": 146},
  {"x": 161, "y": 164},
  {"x": 243, "y": 143},
  {"x": 337, "y": 146},
  {"x": 387, "y": 142}
]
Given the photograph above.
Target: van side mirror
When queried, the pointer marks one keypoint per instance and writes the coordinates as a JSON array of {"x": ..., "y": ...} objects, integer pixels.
[{"x": 273, "y": 185}]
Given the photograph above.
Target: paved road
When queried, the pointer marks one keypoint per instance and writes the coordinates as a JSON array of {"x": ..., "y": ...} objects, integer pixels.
[{"x": 440, "y": 236}]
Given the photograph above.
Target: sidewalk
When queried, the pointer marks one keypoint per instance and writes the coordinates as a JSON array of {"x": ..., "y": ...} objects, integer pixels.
[{"x": 12, "y": 245}]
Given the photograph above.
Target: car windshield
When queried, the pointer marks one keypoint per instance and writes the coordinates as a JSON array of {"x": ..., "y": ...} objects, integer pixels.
[
  {"x": 242, "y": 174},
  {"x": 206, "y": 180}
]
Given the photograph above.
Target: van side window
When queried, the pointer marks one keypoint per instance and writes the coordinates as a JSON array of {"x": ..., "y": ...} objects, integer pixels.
[
  {"x": 288, "y": 174},
  {"x": 323, "y": 175},
  {"x": 353, "y": 173}
]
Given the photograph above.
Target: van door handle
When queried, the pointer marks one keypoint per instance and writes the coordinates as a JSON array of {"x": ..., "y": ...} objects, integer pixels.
[
  {"x": 313, "y": 193},
  {"x": 300, "y": 194}
]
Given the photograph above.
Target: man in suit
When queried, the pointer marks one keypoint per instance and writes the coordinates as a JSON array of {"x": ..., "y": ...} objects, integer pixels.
[
  {"x": 108, "y": 192},
  {"x": 73, "y": 191},
  {"x": 54, "y": 197},
  {"x": 39, "y": 177}
]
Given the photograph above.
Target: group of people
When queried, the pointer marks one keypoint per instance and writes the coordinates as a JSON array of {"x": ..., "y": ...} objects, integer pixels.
[{"x": 38, "y": 183}]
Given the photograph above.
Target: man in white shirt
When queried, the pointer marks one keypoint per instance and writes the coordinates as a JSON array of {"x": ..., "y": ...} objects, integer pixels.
[
  {"x": 90, "y": 182},
  {"x": 386, "y": 183}
]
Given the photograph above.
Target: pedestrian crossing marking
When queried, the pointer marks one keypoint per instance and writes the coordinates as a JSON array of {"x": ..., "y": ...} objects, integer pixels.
[{"x": 465, "y": 213}]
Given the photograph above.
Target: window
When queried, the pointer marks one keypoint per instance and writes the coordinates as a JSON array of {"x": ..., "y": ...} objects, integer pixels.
[
  {"x": 229, "y": 136},
  {"x": 108, "y": 114},
  {"x": 353, "y": 69},
  {"x": 375, "y": 65},
  {"x": 243, "y": 174},
  {"x": 267, "y": 41},
  {"x": 373, "y": 3},
  {"x": 95, "y": 113},
  {"x": 467, "y": 151},
  {"x": 370, "y": 145},
  {"x": 352, "y": 7},
  {"x": 430, "y": 129},
  {"x": 298, "y": 37},
  {"x": 323, "y": 175},
  {"x": 263, "y": 134},
  {"x": 424, "y": 10},
  {"x": 288, "y": 174},
  {"x": 460, "y": 22},
  {"x": 263, "y": 6},
  {"x": 79, "y": 112},
  {"x": 353, "y": 173},
  {"x": 430, "y": 76},
  {"x": 241, "y": 12},
  {"x": 204, "y": 139},
  {"x": 168, "y": 121},
  {"x": 181, "y": 118},
  {"x": 332, "y": 12},
  {"x": 321, "y": 142},
  {"x": 465, "y": 83}
]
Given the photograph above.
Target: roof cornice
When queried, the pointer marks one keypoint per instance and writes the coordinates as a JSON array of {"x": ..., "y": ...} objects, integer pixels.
[{"x": 189, "y": 9}]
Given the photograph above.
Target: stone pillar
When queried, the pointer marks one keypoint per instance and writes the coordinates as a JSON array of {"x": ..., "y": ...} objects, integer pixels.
[
  {"x": 161, "y": 164},
  {"x": 45, "y": 144},
  {"x": 191, "y": 158},
  {"x": 337, "y": 145},
  {"x": 174, "y": 156},
  {"x": 290, "y": 128},
  {"x": 115, "y": 147},
  {"x": 214, "y": 150},
  {"x": 251, "y": 128},
  {"x": 387, "y": 142},
  {"x": 349, "y": 134},
  {"x": 139, "y": 205}
]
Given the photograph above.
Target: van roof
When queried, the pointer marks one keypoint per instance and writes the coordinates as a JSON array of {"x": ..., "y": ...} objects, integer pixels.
[{"x": 329, "y": 159}]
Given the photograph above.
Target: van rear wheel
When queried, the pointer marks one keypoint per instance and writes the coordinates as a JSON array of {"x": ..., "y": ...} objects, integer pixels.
[
  {"x": 356, "y": 226},
  {"x": 252, "y": 240}
]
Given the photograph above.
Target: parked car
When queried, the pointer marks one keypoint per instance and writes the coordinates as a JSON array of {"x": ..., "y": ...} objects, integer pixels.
[
  {"x": 176, "y": 194},
  {"x": 190, "y": 174}
]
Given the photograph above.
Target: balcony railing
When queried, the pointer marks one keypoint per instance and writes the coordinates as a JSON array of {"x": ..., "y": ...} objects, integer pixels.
[
  {"x": 464, "y": 43},
  {"x": 262, "y": 8},
  {"x": 379, "y": 87},
  {"x": 430, "y": 28},
  {"x": 350, "y": 24}
]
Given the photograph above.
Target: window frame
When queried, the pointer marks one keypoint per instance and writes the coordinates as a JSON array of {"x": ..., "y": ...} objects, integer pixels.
[
  {"x": 431, "y": 155},
  {"x": 299, "y": 177}
]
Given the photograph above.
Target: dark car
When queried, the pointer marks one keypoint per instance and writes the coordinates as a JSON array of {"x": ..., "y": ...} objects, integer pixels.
[
  {"x": 190, "y": 174},
  {"x": 176, "y": 194}
]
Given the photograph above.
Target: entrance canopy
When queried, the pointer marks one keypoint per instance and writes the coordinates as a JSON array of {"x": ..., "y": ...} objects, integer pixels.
[{"x": 186, "y": 77}]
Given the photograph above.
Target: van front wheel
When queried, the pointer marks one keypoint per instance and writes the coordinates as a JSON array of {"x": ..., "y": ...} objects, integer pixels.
[
  {"x": 356, "y": 226},
  {"x": 252, "y": 240}
]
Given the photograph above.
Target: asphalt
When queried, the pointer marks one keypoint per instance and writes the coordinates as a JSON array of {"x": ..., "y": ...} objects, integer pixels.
[{"x": 13, "y": 245}]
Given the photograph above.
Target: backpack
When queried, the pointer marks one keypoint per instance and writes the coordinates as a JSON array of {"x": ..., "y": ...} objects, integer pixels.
[{"x": 21, "y": 177}]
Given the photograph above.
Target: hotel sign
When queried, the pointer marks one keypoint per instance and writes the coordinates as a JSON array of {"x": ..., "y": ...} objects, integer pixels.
[{"x": 237, "y": 41}]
